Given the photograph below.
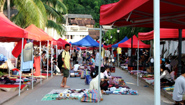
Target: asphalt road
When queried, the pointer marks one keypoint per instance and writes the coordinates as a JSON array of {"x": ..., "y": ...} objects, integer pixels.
[{"x": 33, "y": 97}]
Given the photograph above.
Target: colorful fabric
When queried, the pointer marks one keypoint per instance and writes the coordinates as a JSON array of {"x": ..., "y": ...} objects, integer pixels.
[
  {"x": 67, "y": 94},
  {"x": 91, "y": 96},
  {"x": 121, "y": 91},
  {"x": 18, "y": 48},
  {"x": 84, "y": 73},
  {"x": 37, "y": 66}
]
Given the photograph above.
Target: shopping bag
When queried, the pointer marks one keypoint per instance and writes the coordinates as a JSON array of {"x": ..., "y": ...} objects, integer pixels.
[{"x": 91, "y": 96}]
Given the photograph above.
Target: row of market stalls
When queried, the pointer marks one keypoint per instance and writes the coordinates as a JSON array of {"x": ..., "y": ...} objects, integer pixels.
[
  {"x": 12, "y": 33},
  {"x": 147, "y": 13}
]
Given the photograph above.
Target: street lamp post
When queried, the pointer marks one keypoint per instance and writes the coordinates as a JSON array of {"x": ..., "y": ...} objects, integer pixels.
[{"x": 118, "y": 41}]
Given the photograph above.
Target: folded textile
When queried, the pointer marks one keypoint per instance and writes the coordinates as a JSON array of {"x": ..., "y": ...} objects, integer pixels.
[{"x": 91, "y": 96}]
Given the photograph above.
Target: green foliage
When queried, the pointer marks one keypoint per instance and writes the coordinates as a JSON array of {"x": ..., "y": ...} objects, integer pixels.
[
  {"x": 124, "y": 31},
  {"x": 86, "y": 7},
  {"x": 1, "y": 73},
  {"x": 30, "y": 12},
  {"x": 55, "y": 10},
  {"x": 59, "y": 28},
  {"x": 93, "y": 7},
  {"x": 39, "y": 13}
]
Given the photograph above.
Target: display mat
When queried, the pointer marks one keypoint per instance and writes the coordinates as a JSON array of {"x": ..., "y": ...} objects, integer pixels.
[{"x": 64, "y": 94}]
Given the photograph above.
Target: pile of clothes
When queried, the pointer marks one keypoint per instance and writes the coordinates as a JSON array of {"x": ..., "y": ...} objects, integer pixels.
[
  {"x": 121, "y": 91},
  {"x": 67, "y": 94}
]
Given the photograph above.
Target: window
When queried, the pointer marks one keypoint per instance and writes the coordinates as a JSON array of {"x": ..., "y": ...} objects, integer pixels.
[{"x": 71, "y": 36}]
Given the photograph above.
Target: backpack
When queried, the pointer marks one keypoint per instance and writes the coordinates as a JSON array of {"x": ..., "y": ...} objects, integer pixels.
[{"x": 60, "y": 62}]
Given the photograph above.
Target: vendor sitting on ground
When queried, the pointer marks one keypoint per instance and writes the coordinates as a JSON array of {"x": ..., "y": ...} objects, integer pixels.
[
  {"x": 77, "y": 67},
  {"x": 168, "y": 65},
  {"x": 166, "y": 77},
  {"x": 107, "y": 72},
  {"x": 179, "y": 89},
  {"x": 126, "y": 61},
  {"x": 103, "y": 81}
]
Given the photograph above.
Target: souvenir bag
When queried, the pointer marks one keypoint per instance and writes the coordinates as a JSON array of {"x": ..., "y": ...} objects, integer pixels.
[{"x": 91, "y": 96}]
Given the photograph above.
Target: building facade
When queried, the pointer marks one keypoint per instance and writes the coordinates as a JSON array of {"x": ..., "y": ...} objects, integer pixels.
[{"x": 77, "y": 26}]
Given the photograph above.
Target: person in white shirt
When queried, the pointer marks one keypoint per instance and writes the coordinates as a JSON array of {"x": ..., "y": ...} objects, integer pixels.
[
  {"x": 94, "y": 82},
  {"x": 106, "y": 72},
  {"x": 179, "y": 89},
  {"x": 107, "y": 55},
  {"x": 167, "y": 64},
  {"x": 97, "y": 63},
  {"x": 76, "y": 66}
]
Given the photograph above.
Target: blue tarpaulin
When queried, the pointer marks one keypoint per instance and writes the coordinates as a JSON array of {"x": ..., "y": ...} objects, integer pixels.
[
  {"x": 86, "y": 41},
  {"x": 123, "y": 40}
]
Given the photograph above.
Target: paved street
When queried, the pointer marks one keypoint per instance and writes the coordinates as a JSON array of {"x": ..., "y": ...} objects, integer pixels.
[{"x": 33, "y": 97}]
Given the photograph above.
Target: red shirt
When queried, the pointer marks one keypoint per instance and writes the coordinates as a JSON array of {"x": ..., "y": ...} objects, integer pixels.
[{"x": 115, "y": 52}]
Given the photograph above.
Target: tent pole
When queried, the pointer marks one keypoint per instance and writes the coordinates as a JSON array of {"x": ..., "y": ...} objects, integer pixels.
[
  {"x": 131, "y": 50},
  {"x": 51, "y": 59},
  {"x": 40, "y": 64},
  {"x": 32, "y": 67},
  {"x": 138, "y": 63},
  {"x": 179, "y": 53},
  {"x": 47, "y": 58},
  {"x": 112, "y": 56},
  {"x": 56, "y": 54},
  {"x": 157, "y": 99},
  {"x": 21, "y": 67},
  {"x": 99, "y": 67},
  {"x": 118, "y": 55}
]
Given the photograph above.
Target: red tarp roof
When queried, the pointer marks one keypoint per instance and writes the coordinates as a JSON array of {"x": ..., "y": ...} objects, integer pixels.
[
  {"x": 139, "y": 13},
  {"x": 44, "y": 36},
  {"x": 61, "y": 42},
  {"x": 9, "y": 32},
  {"x": 127, "y": 44},
  {"x": 164, "y": 34}
]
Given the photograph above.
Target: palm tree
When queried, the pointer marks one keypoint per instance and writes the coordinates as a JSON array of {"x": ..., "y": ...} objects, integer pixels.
[
  {"x": 38, "y": 12},
  {"x": 30, "y": 12},
  {"x": 55, "y": 11},
  {"x": 2, "y": 2}
]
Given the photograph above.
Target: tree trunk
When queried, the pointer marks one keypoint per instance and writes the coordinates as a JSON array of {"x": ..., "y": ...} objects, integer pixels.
[{"x": 2, "y": 2}]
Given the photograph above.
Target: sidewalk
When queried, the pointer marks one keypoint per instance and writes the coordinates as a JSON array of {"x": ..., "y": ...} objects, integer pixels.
[{"x": 145, "y": 97}]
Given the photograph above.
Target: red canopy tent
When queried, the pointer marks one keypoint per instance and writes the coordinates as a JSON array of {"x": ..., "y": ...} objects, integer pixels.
[
  {"x": 61, "y": 43},
  {"x": 127, "y": 44},
  {"x": 164, "y": 34},
  {"x": 43, "y": 36},
  {"x": 9, "y": 32},
  {"x": 139, "y": 13}
]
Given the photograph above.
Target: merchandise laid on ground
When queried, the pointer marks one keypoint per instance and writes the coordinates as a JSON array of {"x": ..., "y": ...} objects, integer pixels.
[
  {"x": 103, "y": 53},
  {"x": 149, "y": 80}
]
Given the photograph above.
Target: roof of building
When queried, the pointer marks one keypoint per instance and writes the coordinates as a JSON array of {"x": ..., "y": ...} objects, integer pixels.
[
  {"x": 94, "y": 34},
  {"x": 79, "y": 16}
]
